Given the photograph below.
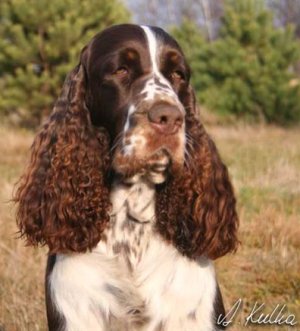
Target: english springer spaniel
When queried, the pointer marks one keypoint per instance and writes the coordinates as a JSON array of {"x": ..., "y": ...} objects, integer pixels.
[{"x": 129, "y": 193}]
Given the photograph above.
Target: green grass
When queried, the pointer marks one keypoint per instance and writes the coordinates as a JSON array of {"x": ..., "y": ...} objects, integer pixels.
[{"x": 264, "y": 163}]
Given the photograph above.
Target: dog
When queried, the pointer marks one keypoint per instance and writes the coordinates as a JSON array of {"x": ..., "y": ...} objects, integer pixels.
[{"x": 129, "y": 193}]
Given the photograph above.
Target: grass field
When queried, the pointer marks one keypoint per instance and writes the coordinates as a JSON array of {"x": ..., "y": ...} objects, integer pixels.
[{"x": 264, "y": 163}]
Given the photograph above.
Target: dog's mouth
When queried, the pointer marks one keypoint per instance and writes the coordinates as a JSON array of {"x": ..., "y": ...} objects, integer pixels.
[
  {"x": 154, "y": 169},
  {"x": 143, "y": 152}
]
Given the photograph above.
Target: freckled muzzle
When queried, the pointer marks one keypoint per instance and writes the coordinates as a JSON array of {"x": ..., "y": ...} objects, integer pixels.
[{"x": 154, "y": 132}]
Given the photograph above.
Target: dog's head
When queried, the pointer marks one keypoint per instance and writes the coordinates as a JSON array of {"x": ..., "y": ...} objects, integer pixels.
[
  {"x": 138, "y": 85},
  {"x": 127, "y": 109}
]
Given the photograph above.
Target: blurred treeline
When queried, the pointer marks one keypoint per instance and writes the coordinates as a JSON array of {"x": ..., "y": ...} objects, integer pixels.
[{"x": 244, "y": 54}]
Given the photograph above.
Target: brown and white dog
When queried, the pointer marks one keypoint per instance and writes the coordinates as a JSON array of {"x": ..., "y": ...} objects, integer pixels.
[{"x": 129, "y": 193}]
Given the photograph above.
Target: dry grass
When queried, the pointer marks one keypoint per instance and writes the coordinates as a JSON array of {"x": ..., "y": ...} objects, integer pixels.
[
  {"x": 21, "y": 269},
  {"x": 265, "y": 166}
]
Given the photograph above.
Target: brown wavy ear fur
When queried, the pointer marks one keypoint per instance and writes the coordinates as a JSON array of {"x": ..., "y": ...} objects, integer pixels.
[
  {"x": 63, "y": 198},
  {"x": 196, "y": 208}
]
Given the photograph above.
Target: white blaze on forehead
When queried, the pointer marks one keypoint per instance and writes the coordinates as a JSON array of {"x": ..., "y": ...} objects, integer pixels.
[
  {"x": 152, "y": 42},
  {"x": 157, "y": 84}
]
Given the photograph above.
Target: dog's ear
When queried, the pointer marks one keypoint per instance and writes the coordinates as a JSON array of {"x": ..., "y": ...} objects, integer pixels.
[
  {"x": 62, "y": 197},
  {"x": 196, "y": 209}
]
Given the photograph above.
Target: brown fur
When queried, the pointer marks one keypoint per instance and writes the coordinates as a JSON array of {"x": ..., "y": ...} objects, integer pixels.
[
  {"x": 196, "y": 208},
  {"x": 63, "y": 197}
]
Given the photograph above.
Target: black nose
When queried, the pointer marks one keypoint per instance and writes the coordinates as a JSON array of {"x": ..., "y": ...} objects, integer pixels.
[{"x": 165, "y": 118}]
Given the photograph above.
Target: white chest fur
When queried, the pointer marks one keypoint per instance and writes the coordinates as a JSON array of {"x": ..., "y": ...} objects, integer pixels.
[{"x": 133, "y": 280}]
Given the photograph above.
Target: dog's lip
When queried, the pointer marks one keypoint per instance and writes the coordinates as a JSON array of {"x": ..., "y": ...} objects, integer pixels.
[
  {"x": 160, "y": 160},
  {"x": 155, "y": 168},
  {"x": 159, "y": 167}
]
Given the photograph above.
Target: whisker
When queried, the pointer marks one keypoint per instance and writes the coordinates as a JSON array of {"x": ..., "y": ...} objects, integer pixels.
[
  {"x": 187, "y": 161},
  {"x": 117, "y": 141},
  {"x": 189, "y": 151},
  {"x": 189, "y": 137},
  {"x": 190, "y": 145},
  {"x": 187, "y": 158},
  {"x": 189, "y": 141}
]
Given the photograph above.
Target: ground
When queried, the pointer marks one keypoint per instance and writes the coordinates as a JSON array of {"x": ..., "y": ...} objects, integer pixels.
[{"x": 264, "y": 163}]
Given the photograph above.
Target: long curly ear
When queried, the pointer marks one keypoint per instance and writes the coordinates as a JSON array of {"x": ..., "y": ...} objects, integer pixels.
[
  {"x": 196, "y": 208},
  {"x": 62, "y": 198}
]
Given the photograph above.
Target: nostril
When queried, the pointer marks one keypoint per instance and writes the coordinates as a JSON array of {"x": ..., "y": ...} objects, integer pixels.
[
  {"x": 163, "y": 120},
  {"x": 178, "y": 121}
]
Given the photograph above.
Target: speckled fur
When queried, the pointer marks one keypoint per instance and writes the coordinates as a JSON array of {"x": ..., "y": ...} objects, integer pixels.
[{"x": 133, "y": 280}]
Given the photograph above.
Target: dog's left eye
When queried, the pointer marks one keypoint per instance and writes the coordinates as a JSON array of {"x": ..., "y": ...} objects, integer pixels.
[
  {"x": 121, "y": 71},
  {"x": 177, "y": 75}
]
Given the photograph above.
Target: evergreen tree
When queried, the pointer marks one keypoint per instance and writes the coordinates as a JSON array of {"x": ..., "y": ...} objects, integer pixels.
[
  {"x": 248, "y": 70},
  {"x": 40, "y": 42}
]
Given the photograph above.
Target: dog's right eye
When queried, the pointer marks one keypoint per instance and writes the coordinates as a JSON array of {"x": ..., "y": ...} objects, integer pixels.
[
  {"x": 121, "y": 71},
  {"x": 177, "y": 75}
]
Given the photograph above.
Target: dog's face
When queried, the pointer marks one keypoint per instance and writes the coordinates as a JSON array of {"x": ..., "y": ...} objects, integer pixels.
[{"x": 137, "y": 77}]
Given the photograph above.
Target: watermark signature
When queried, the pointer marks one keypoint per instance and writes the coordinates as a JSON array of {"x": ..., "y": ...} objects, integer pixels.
[{"x": 259, "y": 315}]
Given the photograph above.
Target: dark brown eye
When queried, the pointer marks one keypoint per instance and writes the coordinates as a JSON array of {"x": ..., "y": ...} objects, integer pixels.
[
  {"x": 121, "y": 71},
  {"x": 177, "y": 75}
]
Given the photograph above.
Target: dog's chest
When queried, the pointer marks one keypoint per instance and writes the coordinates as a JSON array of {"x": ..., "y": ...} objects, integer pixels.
[
  {"x": 133, "y": 276},
  {"x": 132, "y": 220}
]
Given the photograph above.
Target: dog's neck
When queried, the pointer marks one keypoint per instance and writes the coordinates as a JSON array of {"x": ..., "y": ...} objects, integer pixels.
[
  {"x": 131, "y": 222},
  {"x": 137, "y": 200}
]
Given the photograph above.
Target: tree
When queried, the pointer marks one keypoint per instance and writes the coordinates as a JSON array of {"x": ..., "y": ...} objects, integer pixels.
[
  {"x": 40, "y": 41},
  {"x": 248, "y": 70}
]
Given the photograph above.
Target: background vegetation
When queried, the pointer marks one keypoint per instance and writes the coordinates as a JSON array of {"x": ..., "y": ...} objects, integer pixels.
[
  {"x": 40, "y": 42},
  {"x": 248, "y": 70},
  {"x": 244, "y": 65},
  {"x": 245, "y": 60}
]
